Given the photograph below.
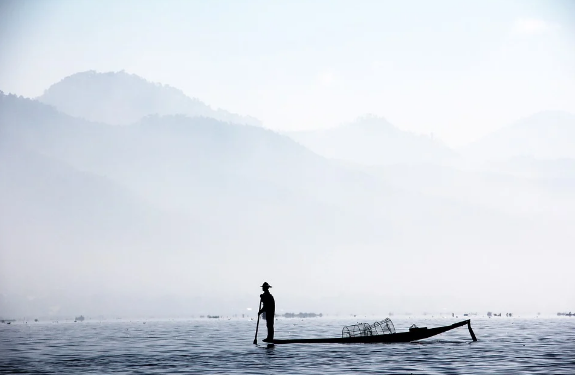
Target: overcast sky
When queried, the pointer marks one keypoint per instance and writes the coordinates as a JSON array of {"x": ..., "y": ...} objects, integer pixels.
[{"x": 459, "y": 69}]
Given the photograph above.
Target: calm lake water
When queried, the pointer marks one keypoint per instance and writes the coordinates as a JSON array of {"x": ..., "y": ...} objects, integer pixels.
[{"x": 218, "y": 346}]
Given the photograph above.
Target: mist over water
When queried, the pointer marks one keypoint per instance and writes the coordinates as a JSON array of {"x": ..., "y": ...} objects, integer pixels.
[{"x": 359, "y": 191}]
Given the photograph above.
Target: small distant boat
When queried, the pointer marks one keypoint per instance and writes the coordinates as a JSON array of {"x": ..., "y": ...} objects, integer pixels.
[
  {"x": 384, "y": 333},
  {"x": 79, "y": 318}
]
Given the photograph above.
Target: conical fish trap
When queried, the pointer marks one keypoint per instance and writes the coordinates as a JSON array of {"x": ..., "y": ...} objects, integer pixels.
[
  {"x": 357, "y": 330},
  {"x": 384, "y": 327}
]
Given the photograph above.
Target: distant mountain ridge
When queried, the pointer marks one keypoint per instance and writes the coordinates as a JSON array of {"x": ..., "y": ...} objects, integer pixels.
[
  {"x": 120, "y": 98},
  {"x": 201, "y": 166},
  {"x": 372, "y": 140},
  {"x": 544, "y": 135}
]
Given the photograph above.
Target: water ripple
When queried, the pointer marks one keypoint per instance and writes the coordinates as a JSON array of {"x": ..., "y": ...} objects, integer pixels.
[{"x": 505, "y": 346}]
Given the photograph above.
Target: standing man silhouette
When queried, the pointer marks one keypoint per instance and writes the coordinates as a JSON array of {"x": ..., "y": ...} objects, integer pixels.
[{"x": 269, "y": 307}]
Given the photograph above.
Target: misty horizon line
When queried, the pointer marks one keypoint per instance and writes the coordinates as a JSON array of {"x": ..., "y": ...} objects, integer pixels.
[
  {"x": 162, "y": 307},
  {"x": 286, "y": 314}
]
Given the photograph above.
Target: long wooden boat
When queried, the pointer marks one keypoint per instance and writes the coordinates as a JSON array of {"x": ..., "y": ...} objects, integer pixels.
[{"x": 413, "y": 334}]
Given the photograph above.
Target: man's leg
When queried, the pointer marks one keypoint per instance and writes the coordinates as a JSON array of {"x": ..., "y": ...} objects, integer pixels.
[{"x": 270, "y": 325}]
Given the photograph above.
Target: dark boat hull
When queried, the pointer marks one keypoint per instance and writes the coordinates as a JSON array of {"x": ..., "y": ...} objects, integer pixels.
[{"x": 412, "y": 335}]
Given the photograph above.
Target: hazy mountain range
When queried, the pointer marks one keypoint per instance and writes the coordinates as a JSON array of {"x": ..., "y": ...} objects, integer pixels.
[
  {"x": 544, "y": 135},
  {"x": 166, "y": 201},
  {"x": 373, "y": 140},
  {"x": 122, "y": 98}
]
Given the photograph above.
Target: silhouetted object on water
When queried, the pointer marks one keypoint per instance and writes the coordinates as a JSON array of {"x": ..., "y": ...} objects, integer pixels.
[
  {"x": 302, "y": 315},
  {"x": 269, "y": 310},
  {"x": 566, "y": 314},
  {"x": 380, "y": 332},
  {"x": 79, "y": 318}
]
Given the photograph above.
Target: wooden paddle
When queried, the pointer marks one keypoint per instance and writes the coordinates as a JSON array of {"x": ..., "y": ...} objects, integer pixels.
[
  {"x": 258, "y": 324},
  {"x": 471, "y": 331}
]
